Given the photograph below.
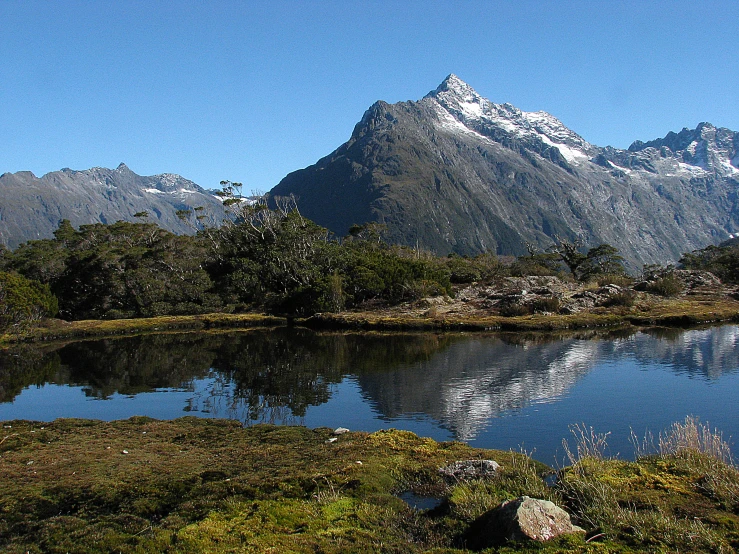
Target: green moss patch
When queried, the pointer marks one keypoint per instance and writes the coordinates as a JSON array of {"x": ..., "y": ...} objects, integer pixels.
[{"x": 194, "y": 485}]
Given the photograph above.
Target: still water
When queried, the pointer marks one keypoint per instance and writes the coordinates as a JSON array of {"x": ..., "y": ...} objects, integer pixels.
[{"x": 512, "y": 391}]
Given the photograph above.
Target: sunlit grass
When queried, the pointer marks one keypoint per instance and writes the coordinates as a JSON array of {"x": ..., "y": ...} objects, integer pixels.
[{"x": 194, "y": 485}]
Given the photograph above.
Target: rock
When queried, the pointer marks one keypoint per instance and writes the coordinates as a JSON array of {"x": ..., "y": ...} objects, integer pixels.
[
  {"x": 332, "y": 439},
  {"x": 690, "y": 279},
  {"x": 698, "y": 279},
  {"x": 469, "y": 469},
  {"x": 340, "y": 430},
  {"x": 529, "y": 518}
]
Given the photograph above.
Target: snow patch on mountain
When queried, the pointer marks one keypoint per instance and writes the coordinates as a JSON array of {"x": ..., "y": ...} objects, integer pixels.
[
  {"x": 730, "y": 169},
  {"x": 693, "y": 169},
  {"x": 450, "y": 123},
  {"x": 168, "y": 179},
  {"x": 469, "y": 110},
  {"x": 572, "y": 155}
]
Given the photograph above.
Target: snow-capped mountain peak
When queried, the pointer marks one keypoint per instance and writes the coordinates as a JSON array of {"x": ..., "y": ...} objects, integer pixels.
[
  {"x": 706, "y": 148},
  {"x": 456, "y": 87},
  {"x": 483, "y": 117}
]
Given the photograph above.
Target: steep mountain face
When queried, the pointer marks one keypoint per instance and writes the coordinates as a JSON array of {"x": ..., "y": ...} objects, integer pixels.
[
  {"x": 455, "y": 172},
  {"x": 31, "y": 207}
]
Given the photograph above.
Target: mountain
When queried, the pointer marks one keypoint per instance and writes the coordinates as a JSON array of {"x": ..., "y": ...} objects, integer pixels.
[
  {"x": 31, "y": 207},
  {"x": 455, "y": 172}
]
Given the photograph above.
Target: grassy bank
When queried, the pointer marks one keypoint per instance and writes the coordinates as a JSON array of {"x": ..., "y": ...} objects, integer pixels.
[
  {"x": 195, "y": 485},
  {"x": 55, "y": 329},
  {"x": 670, "y": 313}
]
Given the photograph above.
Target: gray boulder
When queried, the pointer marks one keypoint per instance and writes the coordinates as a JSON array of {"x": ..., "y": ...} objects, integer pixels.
[
  {"x": 530, "y": 518},
  {"x": 469, "y": 469}
]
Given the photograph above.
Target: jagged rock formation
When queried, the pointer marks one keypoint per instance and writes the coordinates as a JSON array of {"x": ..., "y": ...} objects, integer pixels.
[
  {"x": 455, "y": 172},
  {"x": 31, "y": 207}
]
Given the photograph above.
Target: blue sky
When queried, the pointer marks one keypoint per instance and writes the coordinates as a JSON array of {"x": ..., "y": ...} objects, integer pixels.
[{"x": 250, "y": 91}]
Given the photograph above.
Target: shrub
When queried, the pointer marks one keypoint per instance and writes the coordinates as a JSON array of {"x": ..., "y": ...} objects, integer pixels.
[
  {"x": 624, "y": 298},
  {"x": 23, "y": 300},
  {"x": 550, "y": 305},
  {"x": 668, "y": 285},
  {"x": 462, "y": 270},
  {"x": 514, "y": 310}
]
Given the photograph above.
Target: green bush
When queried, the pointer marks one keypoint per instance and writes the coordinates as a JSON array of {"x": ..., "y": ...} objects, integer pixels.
[
  {"x": 462, "y": 270},
  {"x": 624, "y": 298},
  {"x": 536, "y": 265},
  {"x": 669, "y": 285},
  {"x": 23, "y": 300},
  {"x": 722, "y": 261}
]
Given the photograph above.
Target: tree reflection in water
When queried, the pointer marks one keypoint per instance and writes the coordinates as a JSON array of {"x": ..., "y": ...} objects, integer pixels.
[
  {"x": 275, "y": 375},
  {"x": 254, "y": 376}
]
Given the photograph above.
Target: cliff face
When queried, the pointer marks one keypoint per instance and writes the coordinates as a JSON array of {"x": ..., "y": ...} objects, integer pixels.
[
  {"x": 455, "y": 172},
  {"x": 31, "y": 207}
]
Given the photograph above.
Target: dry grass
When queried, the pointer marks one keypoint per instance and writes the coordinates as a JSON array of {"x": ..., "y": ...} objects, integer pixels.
[
  {"x": 63, "y": 330},
  {"x": 588, "y": 444},
  {"x": 669, "y": 499},
  {"x": 693, "y": 436}
]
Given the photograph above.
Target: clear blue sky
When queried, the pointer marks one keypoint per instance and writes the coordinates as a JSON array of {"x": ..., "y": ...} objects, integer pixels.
[{"x": 249, "y": 91}]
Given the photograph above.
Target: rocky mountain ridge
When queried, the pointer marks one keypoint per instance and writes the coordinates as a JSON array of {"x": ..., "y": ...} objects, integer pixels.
[
  {"x": 455, "y": 172},
  {"x": 31, "y": 207}
]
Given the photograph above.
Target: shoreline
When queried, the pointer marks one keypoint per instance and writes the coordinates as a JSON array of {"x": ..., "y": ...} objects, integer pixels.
[{"x": 683, "y": 313}]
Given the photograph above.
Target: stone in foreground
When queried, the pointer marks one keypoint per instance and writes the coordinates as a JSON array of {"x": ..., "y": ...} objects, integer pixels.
[{"x": 530, "y": 518}]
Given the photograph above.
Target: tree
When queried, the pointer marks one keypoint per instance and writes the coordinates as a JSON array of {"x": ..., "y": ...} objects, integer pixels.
[
  {"x": 723, "y": 261},
  {"x": 23, "y": 300},
  {"x": 119, "y": 270},
  {"x": 569, "y": 253},
  {"x": 272, "y": 257},
  {"x": 601, "y": 260}
]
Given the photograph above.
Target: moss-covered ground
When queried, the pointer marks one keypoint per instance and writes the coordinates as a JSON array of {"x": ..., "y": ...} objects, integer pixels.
[{"x": 195, "y": 485}]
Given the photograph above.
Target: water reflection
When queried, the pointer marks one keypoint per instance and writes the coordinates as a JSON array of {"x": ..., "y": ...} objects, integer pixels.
[
  {"x": 705, "y": 353},
  {"x": 256, "y": 376},
  {"x": 469, "y": 382},
  {"x": 461, "y": 382}
]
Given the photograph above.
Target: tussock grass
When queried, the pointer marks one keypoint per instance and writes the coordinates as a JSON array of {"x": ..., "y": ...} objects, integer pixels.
[
  {"x": 681, "y": 493},
  {"x": 692, "y": 436}
]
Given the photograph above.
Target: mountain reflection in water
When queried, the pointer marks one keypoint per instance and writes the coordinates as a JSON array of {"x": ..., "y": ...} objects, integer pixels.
[
  {"x": 469, "y": 382},
  {"x": 459, "y": 381}
]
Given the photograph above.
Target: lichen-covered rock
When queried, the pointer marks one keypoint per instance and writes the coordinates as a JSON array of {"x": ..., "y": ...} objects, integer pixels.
[
  {"x": 530, "y": 518},
  {"x": 469, "y": 469}
]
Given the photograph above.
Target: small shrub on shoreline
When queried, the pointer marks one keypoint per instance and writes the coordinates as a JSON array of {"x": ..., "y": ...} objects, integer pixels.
[
  {"x": 625, "y": 298},
  {"x": 669, "y": 286}
]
